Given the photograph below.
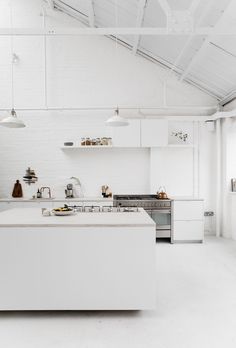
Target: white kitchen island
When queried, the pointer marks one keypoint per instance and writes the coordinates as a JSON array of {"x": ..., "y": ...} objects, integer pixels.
[{"x": 88, "y": 261}]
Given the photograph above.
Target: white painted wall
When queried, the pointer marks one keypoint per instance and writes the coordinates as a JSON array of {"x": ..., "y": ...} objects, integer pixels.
[
  {"x": 207, "y": 174},
  {"x": 229, "y": 171},
  {"x": 172, "y": 168},
  {"x": 89, "y": 71}
]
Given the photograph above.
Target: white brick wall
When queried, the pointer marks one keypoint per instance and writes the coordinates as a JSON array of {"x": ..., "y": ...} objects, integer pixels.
[{"x": 38, "y": 145}]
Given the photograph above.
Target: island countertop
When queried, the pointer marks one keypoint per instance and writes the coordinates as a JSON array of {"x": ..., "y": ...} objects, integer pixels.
[
  {"x": 58, "y": 199},
  {"x": 32, "y": 217}
]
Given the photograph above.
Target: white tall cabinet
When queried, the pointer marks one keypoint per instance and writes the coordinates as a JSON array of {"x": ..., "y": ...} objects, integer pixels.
[
  {"x": 154, "y": 133},
  {"x": 127, "y": 136},
  {"x": 187, "y": 220}
]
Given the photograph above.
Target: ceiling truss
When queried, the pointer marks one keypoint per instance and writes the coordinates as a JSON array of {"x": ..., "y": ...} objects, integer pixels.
[
  {"x": 139, "y": 21},
  {"x": 91, "y": 13},
  {"x": 198, "y": 54},
  {"x": 209, "y": 32}
]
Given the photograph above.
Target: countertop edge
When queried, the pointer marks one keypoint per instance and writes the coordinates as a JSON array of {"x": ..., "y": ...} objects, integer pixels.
[
  {"x": 187, "y": 199},
  {"x": 86, "y": 199},
  {"x": 75, "y": 225},
  {"x": 38, "y": 200}
]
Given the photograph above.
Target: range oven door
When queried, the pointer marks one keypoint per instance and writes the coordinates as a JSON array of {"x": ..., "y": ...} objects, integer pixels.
[{"x": 162, "y": 218}]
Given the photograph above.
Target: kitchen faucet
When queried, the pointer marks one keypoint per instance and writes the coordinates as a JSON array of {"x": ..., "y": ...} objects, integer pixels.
[{"x": 49, "y": 191}]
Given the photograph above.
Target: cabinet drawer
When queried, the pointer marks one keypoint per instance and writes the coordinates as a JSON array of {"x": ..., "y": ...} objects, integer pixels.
[
  {"x": 188, "y": 210},
  {"x": 188, "y": 231}
]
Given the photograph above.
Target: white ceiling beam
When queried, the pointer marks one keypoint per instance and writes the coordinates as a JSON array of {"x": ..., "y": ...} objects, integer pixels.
[
  {"x": 139, "y": 22},
  {"x": 200, "y": 52},
  {"x": 128, "y": 107},
  {"x": 138, "y": 110},
  {"x": 228, "y": 98},
  {"x": 224, "y": 114},
  {"x": 115, "y": 31},
  {"x": 91, "y": 13}
]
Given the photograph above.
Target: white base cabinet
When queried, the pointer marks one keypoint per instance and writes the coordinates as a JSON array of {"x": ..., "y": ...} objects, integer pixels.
[{"x": 187, "y": 221}]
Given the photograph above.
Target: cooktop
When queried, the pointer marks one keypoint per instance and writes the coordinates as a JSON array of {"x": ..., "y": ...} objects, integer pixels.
[{"x": 136, "y": 197}]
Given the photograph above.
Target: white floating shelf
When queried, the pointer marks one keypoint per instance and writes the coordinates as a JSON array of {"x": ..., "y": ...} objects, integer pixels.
[
  {"x": 119, "y": 147},
  {"x": 180, "y": 145},
  {"x": 88, "y": 147}
]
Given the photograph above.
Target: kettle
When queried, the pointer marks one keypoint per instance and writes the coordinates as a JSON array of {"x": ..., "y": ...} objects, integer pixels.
[{"x": 161, "y": 194}]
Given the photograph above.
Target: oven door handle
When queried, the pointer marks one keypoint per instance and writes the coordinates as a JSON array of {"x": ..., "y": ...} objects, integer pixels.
[{"x": 162, "y": 211}]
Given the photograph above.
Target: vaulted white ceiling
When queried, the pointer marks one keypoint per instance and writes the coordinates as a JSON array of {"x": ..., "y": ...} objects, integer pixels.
[{"x": 207, "y": 61}]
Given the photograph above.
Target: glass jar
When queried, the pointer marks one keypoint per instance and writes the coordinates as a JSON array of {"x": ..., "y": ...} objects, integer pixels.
[
  {"x": 104, "y": 141},
  {"x": 98, "y": 141},
  {"x": 88, "y": 141}
]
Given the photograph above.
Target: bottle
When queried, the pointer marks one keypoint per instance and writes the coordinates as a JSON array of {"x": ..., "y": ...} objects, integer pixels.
[
  {"x": 17, "y": 190},
  {"x": 39, "y": 194}
]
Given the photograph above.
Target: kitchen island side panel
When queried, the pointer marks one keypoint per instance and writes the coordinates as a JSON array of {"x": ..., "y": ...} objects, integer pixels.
[{"x": 72, "y": 268}]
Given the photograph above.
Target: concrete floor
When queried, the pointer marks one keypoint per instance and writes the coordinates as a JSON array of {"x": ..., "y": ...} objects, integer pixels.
[{"x": 196, "y": 309}]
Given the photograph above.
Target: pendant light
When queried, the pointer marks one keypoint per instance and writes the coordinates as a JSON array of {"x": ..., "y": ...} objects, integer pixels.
[
  {"x": 116, "y": 120},
  {"x": 12, "y": 121}
]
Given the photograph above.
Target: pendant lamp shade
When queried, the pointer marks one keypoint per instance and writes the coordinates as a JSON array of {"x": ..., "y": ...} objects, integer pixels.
[
  {"x": 12, "y": 121},
  {"x": 117, "y": 120}
]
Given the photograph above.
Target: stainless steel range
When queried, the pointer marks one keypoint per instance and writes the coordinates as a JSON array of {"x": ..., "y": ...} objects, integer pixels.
[{"x": 158, "y": 209}]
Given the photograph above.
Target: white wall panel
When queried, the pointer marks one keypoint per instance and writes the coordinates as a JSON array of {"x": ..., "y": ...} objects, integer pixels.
[
  {"x": 78, "y": 76},
  {"x": 27, "y": 13},
  {"x": 29, "y": 72},
  {"x": 172, "y": 168},
  {"x": 5, "y": 72}
]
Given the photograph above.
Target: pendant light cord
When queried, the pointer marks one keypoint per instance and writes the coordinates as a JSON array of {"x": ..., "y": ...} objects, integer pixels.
[
  {"x": 12, "y": 62},
  {"x": 45, "y": 60},
  {"x": 116, "y": 50}
]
